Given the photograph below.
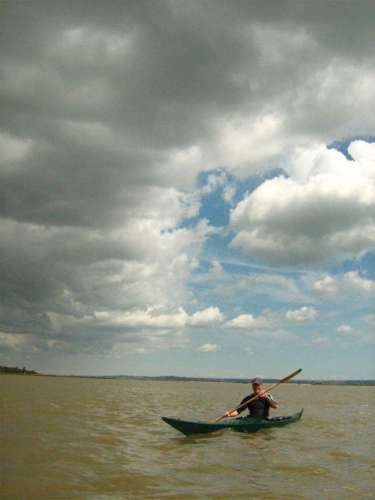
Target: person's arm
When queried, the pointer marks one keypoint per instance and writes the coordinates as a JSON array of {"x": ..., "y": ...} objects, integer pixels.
[
  {"x": 241, "y": 408},
  {"x": 273, "y": 404},
  {"x": 233, "y": 413}
]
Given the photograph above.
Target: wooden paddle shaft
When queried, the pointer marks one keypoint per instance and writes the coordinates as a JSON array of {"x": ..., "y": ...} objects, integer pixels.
[{"x": 276, "y": 384}]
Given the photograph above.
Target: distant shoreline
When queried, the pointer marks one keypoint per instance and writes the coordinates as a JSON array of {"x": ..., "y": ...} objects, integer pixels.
[
  {"x": 173, "y": 378},
  {"x": 14, "y": 370}
]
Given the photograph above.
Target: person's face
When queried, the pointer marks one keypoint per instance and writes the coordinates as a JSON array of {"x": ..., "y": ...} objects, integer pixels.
[{"x": 257, "y": 388}]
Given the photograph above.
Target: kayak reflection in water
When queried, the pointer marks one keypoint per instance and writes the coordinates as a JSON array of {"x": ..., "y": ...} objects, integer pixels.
[{"x": 260, "y": 407}]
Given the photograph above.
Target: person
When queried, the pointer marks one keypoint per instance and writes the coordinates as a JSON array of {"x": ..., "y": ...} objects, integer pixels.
[{"x": 260, "y": 407}]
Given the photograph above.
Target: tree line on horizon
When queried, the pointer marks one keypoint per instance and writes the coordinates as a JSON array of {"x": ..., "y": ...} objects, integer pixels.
[{"x": 16, "y": 369}]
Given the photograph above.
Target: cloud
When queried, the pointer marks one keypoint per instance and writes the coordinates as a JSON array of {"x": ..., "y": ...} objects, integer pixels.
[
  {"x": 10, "y": 340},
  {"x": 151, "y": 329},
  {"x": 216, "y": 268},
  {"x": 370, "y": 319},
  {"x": 324, "y": 209},
  {"x": 214, "y": 181},
  {"x": 13, "y": 149},
  {"x": 326, "y": 285},
  {"x": 277, "y": 286},
  {"x": 353, "y": 280},
  {"x": 219, "y": 180},
  {"x": 107, "y": 120},
  {"x": 56, "y": 344},
  {"x": 143, "y": 319},
  {"x": 229, "y": 193},
  {"x": 68, "y": 273},
  {"x": 249, "y": 322},
  {"x": 208, "y": 348},
  {"x": 206, "y": 317},
  {"x": 344, "y": 328},
  {"x": 305, "y": 313},
  {"x": 247, "y": 144},
  {"x": 350, "y": 283},
  {"x": 152, "y": 318},
  {"x": 258, "y": 284},
  {"x": 319, "y": 340}
]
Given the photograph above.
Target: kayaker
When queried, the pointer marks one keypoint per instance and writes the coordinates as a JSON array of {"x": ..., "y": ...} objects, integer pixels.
[{"x": 260, "y": 407}]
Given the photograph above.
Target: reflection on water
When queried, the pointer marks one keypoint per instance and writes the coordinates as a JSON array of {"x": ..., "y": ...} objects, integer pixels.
[{"x": 92, "y": 438}]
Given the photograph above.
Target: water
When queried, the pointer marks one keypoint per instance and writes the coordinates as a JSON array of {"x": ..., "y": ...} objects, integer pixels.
[{"x": 103, "y": 439}]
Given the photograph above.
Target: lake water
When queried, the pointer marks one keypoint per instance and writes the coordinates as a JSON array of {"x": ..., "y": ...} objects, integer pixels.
[{"x": 104, "y": 439}]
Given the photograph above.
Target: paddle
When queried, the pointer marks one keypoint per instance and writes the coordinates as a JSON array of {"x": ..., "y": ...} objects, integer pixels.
[{"x": 263, "y": 391}]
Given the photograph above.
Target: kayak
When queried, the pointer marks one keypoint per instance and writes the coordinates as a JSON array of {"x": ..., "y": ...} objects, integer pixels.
[{"x": 241, "y": 424}]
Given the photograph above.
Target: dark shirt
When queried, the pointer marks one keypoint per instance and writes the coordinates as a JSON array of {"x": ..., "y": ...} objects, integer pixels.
[{"x": 259, "y": 408}]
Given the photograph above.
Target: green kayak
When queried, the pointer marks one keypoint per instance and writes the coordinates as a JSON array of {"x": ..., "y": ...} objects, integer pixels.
[{"x": 242, "y": 424}]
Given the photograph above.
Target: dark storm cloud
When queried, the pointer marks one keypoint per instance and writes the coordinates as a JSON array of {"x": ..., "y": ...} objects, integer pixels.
[{"x": 158, "y": 76}]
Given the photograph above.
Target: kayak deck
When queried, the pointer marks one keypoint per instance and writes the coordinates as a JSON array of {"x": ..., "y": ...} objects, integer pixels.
[{"x": 241, "y": 424}]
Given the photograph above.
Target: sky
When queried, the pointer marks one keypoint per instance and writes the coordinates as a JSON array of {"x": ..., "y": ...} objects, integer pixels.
[{"x": 188, "y": 188}]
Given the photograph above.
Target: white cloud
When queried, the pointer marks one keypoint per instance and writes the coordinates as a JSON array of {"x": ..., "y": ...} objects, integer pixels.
[
  {"x": 216, "y": 268},
  {"x": 249, "y": 143},
  {"x": 344, "y": 328},
  {"x": 326, "y": 285},
  {"x": 319, "y": 340},
  {"x": 305, "y": 313},
  {"x": 363, "y": 153},
  {"x": 209, "y": 348},
  {"x": 206, "y": 317},
  {"x": 214, "y": 181},
  {"x": 354, "y": 281},
  {"x": 140, "y": 350},
  {"x": 350, "y": 283},
  {"x": 260, "y": 282},
  {"x": 250, "y": 350},
  {"x": 13, "y": 340},
  {"x": 56, "y": 344},
  {"x": 148, "y": 318},
  {"x": 129, "y": 268},
  {"x": 182, "y": 165},
  {"x": 152, "y": 319},
  {"x": 228, "y": 193},
  {"x": 325, "y": 209},
  {"x": 249, "y": 322},
  {"x": 219, "y": 181},
  {"x": 277, "y": 286}
]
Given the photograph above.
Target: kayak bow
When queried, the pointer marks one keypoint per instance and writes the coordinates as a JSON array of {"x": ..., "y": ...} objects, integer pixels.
[{"x": 242, "y": 424}]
